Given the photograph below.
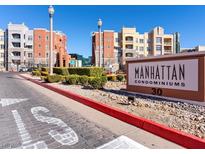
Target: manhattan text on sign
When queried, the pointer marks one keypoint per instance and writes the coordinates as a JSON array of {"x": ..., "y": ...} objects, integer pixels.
[{"x": 173, "y": 74}]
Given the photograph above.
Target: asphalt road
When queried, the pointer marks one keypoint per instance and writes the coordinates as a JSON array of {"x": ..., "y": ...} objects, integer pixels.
[{"x": 29, "y": 119}]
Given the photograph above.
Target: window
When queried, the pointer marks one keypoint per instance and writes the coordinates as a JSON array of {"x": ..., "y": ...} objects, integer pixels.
[
  {"x": 159, "y": 40},
  {"x": 16, "y": 36},
  {"x": 129, "y": 38},
  {"x": 116, "y": 39},
  {"x": 141, "y": 40},
  {"x": 47, "y": 47},
  {"x": 39, "y": 46},
  {"x": 16, "y": 53},
  {"x": 159, "y": 48},
  {"x": 148, "y": 40},
  {"x": 136, "y": 40},
  {"x": 141, "y": 48},
  {"x": 30, "y": 38},
  {"x": 2, "y": 55},
  {"x": 1, "y": 38},
  {"x": 39, "y": 54},
  {"x": 128, "y": 46},
  {"x": 47, "y": 37},
  {"x": 148, "y": 49},
  {"x": 29, "y": 46},
  {"x": 137, "y": 48},
  {"x": 108, "y": 46},
  {"x": 39, "y": 37},
  {"x": 16, "y": 44},
  {"x": 30, "y": 55},
  {"x": 46, "y": 54},
  {"x": 129, "y": 54},
  {"x": 2, "y": 46}
]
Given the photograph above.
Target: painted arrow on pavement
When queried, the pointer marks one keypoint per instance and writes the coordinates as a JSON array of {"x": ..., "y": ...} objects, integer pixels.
[{"x": 9, "y": 101}]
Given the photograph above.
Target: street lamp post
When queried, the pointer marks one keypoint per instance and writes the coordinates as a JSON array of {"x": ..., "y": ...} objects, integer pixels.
[
  {"x": 99, "y": 30},
  {"x": 51, "y": 12}
]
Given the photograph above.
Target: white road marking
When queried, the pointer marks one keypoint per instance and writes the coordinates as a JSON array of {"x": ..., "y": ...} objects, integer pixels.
[
  {"x": 69, "y": 137},
  {"x": 122, "y": 142},
  {"x": 9, "y": 101},
  {"x": 25, "y": 136}
]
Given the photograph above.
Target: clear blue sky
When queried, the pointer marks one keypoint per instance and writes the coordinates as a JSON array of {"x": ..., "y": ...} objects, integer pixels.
[{"x": 77, "y": 22}]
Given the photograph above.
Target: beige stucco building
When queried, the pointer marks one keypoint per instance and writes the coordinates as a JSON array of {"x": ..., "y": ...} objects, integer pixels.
[{"x": 129, "y": 43}]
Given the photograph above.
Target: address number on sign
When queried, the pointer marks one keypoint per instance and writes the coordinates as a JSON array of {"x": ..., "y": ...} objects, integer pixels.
[{"x": 157, "y": 91}]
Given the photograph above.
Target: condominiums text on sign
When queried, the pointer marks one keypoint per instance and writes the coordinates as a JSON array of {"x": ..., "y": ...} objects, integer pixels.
[{"x": 173, "y": 74}]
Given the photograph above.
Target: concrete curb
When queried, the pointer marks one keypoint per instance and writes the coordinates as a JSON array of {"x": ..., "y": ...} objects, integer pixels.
[{"x": 178, "y": 137}]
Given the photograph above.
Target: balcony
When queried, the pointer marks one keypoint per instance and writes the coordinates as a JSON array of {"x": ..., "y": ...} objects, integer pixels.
[
  {"x": 15, "y": 40},
  {"x": 168, "y": 43},
  {"x": 129, "y": 39},
  {"x": 167, "y": 52},
  {"x": 16, "y": 57}
]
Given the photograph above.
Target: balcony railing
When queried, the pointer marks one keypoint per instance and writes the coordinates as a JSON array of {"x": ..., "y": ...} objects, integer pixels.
[
  {"x": 168, "y": 43},
  {"x": 129, "y": 41},
  {"x": 167, "y": 51},
  {"x": 16, "y": 57}
]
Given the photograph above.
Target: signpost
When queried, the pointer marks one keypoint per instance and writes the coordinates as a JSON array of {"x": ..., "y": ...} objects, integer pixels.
[{"x": 178, "y": 76}]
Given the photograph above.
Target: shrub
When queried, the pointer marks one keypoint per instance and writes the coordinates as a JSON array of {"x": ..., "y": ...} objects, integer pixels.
[
  {"x": 35, "y": 68},
  {"x": 95, "y": 82},
  {"x": 44, "y": 69},
  {"x": 36, "y": 73},
  {"x": 103, "y": 80},
  {"x": 120, "y": 77},
  {"x": 44, "y": 73},
  {"x": 60, "y": 70},
  {"x": 53, "y": 78},
  {"x": 63, "y": 78},
  {"x": 83, "y": 80},
  {"x": 111, "y": 78},
  {"x": 44, "y": 78},
  {"x": 89, "y": 71},
  {"x": 72, "y": 79}
]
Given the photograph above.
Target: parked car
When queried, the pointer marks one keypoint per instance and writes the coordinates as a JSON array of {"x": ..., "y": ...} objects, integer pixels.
[{"x": 23, "y": 69}]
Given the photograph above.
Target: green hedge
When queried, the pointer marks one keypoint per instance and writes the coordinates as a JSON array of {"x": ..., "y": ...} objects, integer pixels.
[
  {"x": 83, "y": 80},
  {"x": 103, "y": 80},
  {"x": 120, "y": 77},
  {"x": 53, "y": 78},
  {"x": 44, "y": 69},
  {"x": 43, "y": 73},
  {"x": 36, "y": 73},
  {"x": 44, "y": 78},
  {"x": 60, "y": 70},
  {"x": 111, "y": 77},
  {"x": 89, "y": 71},
  {"x": 72, "y": 79},
  {"x": 95, "y": 82}
]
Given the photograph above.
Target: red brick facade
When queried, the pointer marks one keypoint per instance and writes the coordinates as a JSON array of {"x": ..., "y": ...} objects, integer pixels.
[
  {"x": 41, "y": 48},
  {"x": 107, "y": 44}
]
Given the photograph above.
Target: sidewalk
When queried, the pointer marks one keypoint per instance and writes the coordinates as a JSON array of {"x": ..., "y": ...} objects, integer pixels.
[{"x": 114, "y": 125}]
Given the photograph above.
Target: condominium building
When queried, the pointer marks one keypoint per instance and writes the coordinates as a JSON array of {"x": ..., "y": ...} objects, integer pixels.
[
  {"x": 128, "y": 43},
  {"x": 133, "y": 44},
  {"x": 2, "y": 50},
  {"x": 19, "y": 46},
  {"x": 42, "y": 49},
  {"x": 109, "y": 58},
  {"x": 27, "y": 48}
]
